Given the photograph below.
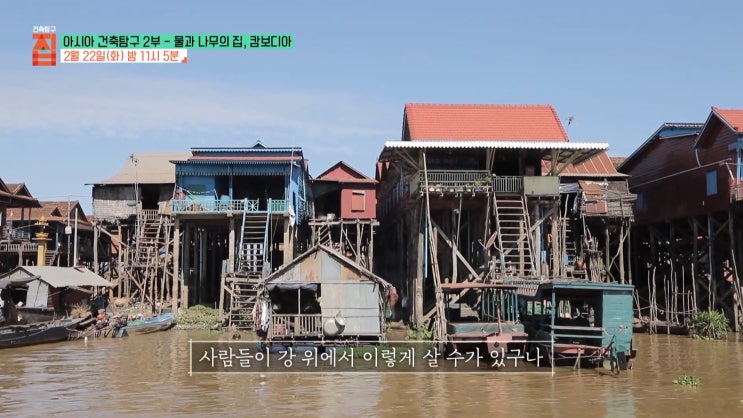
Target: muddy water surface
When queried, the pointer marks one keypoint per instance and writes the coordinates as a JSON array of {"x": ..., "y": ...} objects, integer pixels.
[{"x": 148, "y": 375}]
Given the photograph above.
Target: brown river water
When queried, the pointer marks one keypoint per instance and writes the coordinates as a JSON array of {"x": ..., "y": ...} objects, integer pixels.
[{"x": 148, "y": 375}]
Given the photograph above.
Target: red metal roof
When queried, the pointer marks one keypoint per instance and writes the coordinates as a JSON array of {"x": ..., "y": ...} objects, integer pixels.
[
  {"x": 599, "y": 165},
  {"x": 733, "y": 117},
  {"x": 482, "y": 122},
  {"x": 595, "y": 197},
  {"x": 50, "y": 210}
]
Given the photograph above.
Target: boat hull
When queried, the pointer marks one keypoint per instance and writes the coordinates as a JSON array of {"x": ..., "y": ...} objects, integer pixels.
[
  {"x": 159, "y": 323},
  {"x": 39, "y": 333}
]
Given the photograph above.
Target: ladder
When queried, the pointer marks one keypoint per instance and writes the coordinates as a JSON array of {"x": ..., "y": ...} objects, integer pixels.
[{"x": 514, "y": 238}]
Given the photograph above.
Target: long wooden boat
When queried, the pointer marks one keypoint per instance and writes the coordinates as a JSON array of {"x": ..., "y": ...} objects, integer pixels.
[
  {"x": 37, "y": 333},
  {"x": 579, "y": 322},
  {"x": 162, "y": 322}
]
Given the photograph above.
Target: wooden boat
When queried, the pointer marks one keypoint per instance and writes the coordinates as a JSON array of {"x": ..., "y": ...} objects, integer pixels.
[
  {"x": 37, "y": 333},
  {"x": 496, "y": 326},
  {"x": 162, "y": 322},
  {"x": 661, "y": 327},
  {"x": 579, "y": 322}
]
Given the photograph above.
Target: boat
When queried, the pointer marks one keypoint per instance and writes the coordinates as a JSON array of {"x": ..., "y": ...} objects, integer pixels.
[
  {"x": 37, "y": 333},
  {"x": 645, "y": 326},
  {"x": 162, "y": 322},
  {"x": 580, "y": 323},
  {"x": 493, "y": 324}
]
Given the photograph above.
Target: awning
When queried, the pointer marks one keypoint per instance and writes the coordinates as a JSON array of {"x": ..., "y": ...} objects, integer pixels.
[
  {"x": 312, "y": 287},
  {"x": 17, "y": 281}
]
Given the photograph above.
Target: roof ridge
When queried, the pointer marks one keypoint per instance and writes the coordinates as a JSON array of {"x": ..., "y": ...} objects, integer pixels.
[{"x": 505, "y": 105}]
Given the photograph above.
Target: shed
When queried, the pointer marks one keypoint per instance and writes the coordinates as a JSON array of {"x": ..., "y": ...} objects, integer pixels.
[
  {"x": 42, "y": 280},
  {"x": 320, "y": 286}
]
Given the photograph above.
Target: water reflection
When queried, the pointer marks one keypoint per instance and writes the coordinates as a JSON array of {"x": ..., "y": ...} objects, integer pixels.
[{"x": 148, "y": 375}]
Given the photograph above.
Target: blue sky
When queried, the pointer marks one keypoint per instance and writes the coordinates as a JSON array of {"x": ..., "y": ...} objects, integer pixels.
[{"x": 619, "y": 69}]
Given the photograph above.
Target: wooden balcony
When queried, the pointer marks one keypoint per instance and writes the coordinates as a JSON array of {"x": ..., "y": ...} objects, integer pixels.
[
  {"x": 467, "y": 181},
  {"x": 212, "y": 205}
]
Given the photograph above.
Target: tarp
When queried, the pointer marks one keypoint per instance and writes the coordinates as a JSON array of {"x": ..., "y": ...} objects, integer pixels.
[{"x": 292, "y": 286}]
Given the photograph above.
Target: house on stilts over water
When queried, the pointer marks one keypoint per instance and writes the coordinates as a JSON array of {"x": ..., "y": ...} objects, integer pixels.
[
  {"x": 133, "y": 228},
  {"x": 239, "y": 214},
  {"x": 488, "y": 193},
  {"x": 687, "y": 239}
]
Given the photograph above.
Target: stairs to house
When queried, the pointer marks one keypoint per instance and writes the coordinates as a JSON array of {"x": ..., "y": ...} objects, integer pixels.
[
  {"x": 50, "y": 258},
  {"x": 516, "y": 254},
  {"x": 243, "y": 295},
  {"x": 253, "y": 253},
  {"x": 148, "y": 238}
]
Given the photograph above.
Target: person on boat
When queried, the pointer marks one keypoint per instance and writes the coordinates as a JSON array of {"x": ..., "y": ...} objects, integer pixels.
[{"x": 10, "y": 313}]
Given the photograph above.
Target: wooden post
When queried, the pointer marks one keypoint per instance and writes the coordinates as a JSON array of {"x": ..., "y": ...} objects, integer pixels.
[
  {"x": 695, "y": 252},
  {"x": 95, "y": 247},
  {"x": 420, "y": 274},
  {"x": 288, "y": 243},
  {"x": 186, "y": 276},
  {"x": 607, "y": 262},
  {"x": 629, "y": 254},
  {"x": 231, "y": 247},
  {"x": 454, "y": 241},
  {"x": 621, "y": 253},
  {"x": 176, "y": 262},
  {"x": 119, "y": 255},
  {"x": 371, "y": 246},
  {"x": 555, "y": 245},
  {"x": 712, "y": 282}
]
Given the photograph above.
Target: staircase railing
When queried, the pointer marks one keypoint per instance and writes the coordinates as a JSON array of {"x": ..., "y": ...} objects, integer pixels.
[
  {"x": 266, "y": 233},
  {"x": 241, "y": 251}
]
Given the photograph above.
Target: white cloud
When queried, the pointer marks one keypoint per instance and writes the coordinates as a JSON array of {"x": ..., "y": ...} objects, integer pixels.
[{"x": 137, "y": 107}]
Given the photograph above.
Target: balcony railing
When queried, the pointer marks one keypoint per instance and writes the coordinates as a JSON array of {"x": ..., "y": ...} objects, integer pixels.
[
  {"x": 454, "y": 178},
  {"x": 226, "y": 205},
  {"x": 508, "y": 184},
  {"x": 14, "y": 234},
  {"x": 21, "y": 247},
  {"x": 309, "y": 325}
]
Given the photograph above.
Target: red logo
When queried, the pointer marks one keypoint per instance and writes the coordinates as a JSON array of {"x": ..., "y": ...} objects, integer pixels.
[{"x": 44, "y": 54}]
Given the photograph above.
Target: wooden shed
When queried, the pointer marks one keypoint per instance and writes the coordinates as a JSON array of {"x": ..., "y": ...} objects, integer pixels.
[{"x": 322, "y": 295}]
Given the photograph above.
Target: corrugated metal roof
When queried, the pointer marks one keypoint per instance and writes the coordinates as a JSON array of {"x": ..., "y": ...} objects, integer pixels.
[
  {"x": 151, "y": 168},
  {"x": 598, "y": 165},
  {"x": 500, "y": 144},
  {"x": 61, "y": 276}
]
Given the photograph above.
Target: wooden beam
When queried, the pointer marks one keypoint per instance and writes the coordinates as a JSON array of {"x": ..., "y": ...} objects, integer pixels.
[
  {"x": 457, "y": 253},
  {"x": 407, "y": 158}
]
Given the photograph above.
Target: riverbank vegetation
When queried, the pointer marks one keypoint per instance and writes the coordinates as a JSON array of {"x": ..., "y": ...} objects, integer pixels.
[
  {"x": 198, "y": 317},
  {"x": 710, "y": 325}
]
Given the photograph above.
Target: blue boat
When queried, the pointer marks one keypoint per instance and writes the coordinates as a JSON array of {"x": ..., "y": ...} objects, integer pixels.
[
  {"x": 162, "y": 322},
  {"x": 579, "y": 322}
]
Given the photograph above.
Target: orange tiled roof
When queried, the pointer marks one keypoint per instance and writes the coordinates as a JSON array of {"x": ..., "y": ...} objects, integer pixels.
[
  {"x": 483, "y": 122},
  {"x": 733, "y": 117}
]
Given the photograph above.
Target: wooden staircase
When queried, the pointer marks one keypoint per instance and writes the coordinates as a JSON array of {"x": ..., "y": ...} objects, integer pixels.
[
  {"x": 253, "y": 243},
  {"x": 148, "y": 238},
  {"x": 243, "y": 295},
  {"x": 514, "y": 240}
]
